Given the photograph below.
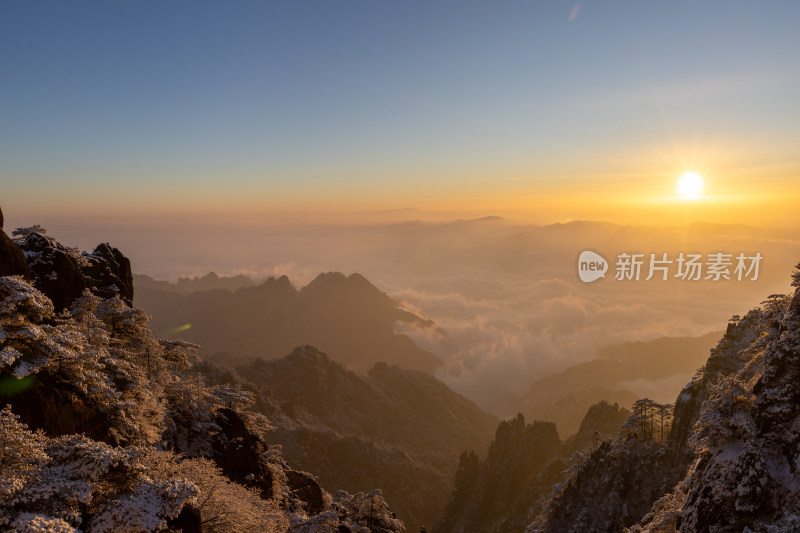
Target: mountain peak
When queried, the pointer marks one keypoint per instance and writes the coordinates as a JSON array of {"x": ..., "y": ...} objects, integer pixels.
[
  {"x": 308, "y": 353},
  {"x": 337, "y": 280}
]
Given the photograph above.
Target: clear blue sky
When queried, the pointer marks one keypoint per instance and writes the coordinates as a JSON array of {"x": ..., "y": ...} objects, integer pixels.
[{"x": 392, "y": 101}]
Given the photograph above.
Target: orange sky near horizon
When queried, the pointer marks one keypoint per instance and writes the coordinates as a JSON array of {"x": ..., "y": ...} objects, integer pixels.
[{"x": 653, "y": 200}]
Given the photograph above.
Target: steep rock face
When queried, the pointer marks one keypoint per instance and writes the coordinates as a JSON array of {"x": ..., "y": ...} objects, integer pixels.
[
  {"x": 108, "y": 272},
  {"x": 747, "y": 440},
  {"x": 62, "y": 274},
  {"x": 613, "y": 487},
  {"x": 56, "y": 407},
  {"x": 469, "y": 468},
  {"x": 728, "y": 357},
  {"x": 54, "y": 268},
  {"x": 601, "y": 422},
  {"x": 12, "y": 258},
  {"x": 305, "y": 488},
  {"x": 730, "y": 462},
  {"x": 616, "y": 486},
  {"x": 499, "y": 494},
  {"x": 507, "y": 490},
  {"x": 241, "y": 456},
  {"x": 238, "y": 453}
]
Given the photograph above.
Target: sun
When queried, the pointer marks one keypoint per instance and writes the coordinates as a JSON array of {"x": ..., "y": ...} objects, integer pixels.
[{"x": 690, "y": 186}]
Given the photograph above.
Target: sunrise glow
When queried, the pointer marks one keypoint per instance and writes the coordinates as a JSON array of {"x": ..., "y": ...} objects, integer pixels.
[{"x": 690, "y": 186}]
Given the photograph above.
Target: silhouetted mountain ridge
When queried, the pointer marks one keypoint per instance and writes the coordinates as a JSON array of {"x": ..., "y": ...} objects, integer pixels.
[
  {"x": 208, "y": 282},
  {"x": 344, "y": 316}
]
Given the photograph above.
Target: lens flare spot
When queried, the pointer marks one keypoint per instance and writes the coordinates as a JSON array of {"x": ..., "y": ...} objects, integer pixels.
[
  {"x": 11, "y": 386},
  {"x": 178, "y": 329}
]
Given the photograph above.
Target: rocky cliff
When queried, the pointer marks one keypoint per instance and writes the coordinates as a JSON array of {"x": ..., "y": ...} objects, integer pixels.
[
  {"x": 730, "y": 460},
  {"x": 109, "y": 428},
  {"x": 723, "y": 458},
  {"x": 508, "y": 489}
]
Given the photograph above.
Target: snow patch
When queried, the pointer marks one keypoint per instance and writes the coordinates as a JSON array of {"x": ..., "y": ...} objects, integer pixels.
[{"x": 8, "y": 355}]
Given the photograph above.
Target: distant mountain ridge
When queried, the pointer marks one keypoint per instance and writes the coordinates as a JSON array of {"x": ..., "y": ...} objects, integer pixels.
[
  {"x": 345, "y": 316},
  {"x": 614, "y": 377},
  {"x": 210, "y": 281}
]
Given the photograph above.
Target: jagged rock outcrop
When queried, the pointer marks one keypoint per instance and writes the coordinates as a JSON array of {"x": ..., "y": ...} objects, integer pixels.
[
  {"x": 730, "y": 462},
  {"x": 238, "y": 452},
  {"x": 305, "y": 488},
  {"x": 498, "y": 495},
  {"x": 96, "y": 368},
  {"x": 746, "y": 440},
  {"x": 12, "y": 258},
  {"x": 55, "y": 406},
  {"x": 54, "y": 268},
  {"x": 469, "y": 468},
  {"x": 601, "y": 422},
  {"x": 507, "y": 490},
  {"x": 616, "y": 486},
  {"x": 62, "y": 273},
  {"x": 241, "y": 456},
  {"x": 108, "y": 273}
]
